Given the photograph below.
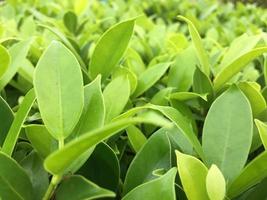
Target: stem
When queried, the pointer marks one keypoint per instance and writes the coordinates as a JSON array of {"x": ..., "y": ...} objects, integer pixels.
[{"x": 55, "y": 178}]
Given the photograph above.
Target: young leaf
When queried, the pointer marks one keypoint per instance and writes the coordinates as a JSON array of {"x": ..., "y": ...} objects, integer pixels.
[
  {"x": 18, "y": 52},
  {"x": 155, "y": 189},
  {"x": 200, "y": 51},
  {"x": 115, "y": 40},
  {"x": 41, "y": 139},
  {"x": 93, "y": 114},
  {"x": 5, "y": 60},
  {"x": 193, "y": 174},
  {"x": 215, "y": 184},
  {"x": 60, "y": 160},
  {"x": 253, "y": 173},
  {"x": 155, "y": 154},
  {"x": 79, "y": 188},
  {"x": 184, "y": 96},
  {"x": 136, "y": 137},
  {"x": 15, "y": 184},
  {"x": 6, "y": 119},
  {"x": 262, "y": 128},
  {"x": 149, "y": 77},
  {"x": 227, "y": 132},
  {"x": 59, "y": 90},
  {"x": 114, "y": 105},
  {"x": 14, "y": 131},
  {"x": 236, "y": 66}
]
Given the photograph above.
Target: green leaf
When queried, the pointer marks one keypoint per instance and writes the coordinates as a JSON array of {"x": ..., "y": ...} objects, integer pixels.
[
  {"x": 201, "y": 83},
  {"x": 41, "y": 139},
  {"x": 215, "y": 184},
  {"x": 157, "y": 189},
  {"x": 193, "y": 175},
  {"x": 253, "y": 173},
  {"x": 227, "y": 132},
  {"x": 136, "y": 137},
  {"x": 182, "y": 70},
  {"x": 114, "y": 105},
  {"x": 149, "y": 77},
  {"x": 184, "y": 96},
  {"x": 6, "y": 119},
  {"x": 254, "y": 96},
  {"x": 262, "y": 128},
  {"x": 18, "y": 52},
  {"x": 95, "y": 168},
  {"x": 60, "y": 160},
  {"x": 70, "y": 21},
  {"x": 115, "y": 40},
  {"x": 14, "y": 131},
  {"x": 236, "y": 66},
  {"x": 93, "y": 114},
  {"x": 79, "y": 188},
  {"x": 61, "y": 98},
  {"x": 200, "y": 51},
  {"x": 33, "y": 165},
  {"x": 15, "y": 184},
  {"x": 155, "y": 154},
  {"x": 5, "y": 60}
]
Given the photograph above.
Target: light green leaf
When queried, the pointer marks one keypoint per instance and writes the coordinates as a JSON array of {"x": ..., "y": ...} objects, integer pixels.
[
  {"x": 114, "y": 105},
  {"x": 79, "y": 188},
  {"x": 193, "y": 175},
  {"x": 18, "y": 52},
  {"x": 60, "y": 160},
  {"x": 262, "y": 128},
  {"x": 15, "y": 184},
  {"x": 155, "y": 154},
  {"x": 6, "y": 119},
  {"x": 162, "y": 187},
  {"x": 252, "y": 174},
  {"x": 215, "y": 184},
  {"x": 41, "y": 139},
  {"x": 115, "y": 40},
  {"x": 136, "y": 137},
  {"x": 5, "y": 60},
  {"x": 149, "y": 77},
  {"x": 184, "y": 96},
  {"x": 227, "y": 136},
  {"x": 93, "y": 114},
  {"x": 200, "y": 51},
  {"x": 254, "y": 96},
  {"x": 58, "y": 85},
  {"x": 236, "y": 66},
  {"x": 14, "y": 131}
]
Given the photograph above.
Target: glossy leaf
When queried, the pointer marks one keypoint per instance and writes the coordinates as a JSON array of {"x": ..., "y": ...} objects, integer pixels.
[
  {"x": 114, "y": 105},
  {"x": 193, "y": 174},
  {"x": 61, "y": 98},
  {"x": 115, "y": 40},
  {"x": 6, "y": 119},
  {"x": 60, "y": 160},
  {"x": 155, "y": 189},
  {"x": 79, "y": 188},
  {"x": 93, "y": 114},
  {"x": 5, "y": 60},
  {"x": 15, "y": 183},
  {"x": 227, "y": 132},
  {"x": 200, "y": 51},
  {"x": 253, "y": 173},
  {"x": 155, "y": 154},
  {"x": 136, "y": 137},
  {"x": 184, "y": 96},
  {"x": 262, "y": 128},
  {"x": 215, "y": 184},
  {"x": 149, "y": 77},
  {"x": 236, "y": 66},
  {"x": 14, "y": 131},
  {"x": 41, "y": 139},
  {"x": 18, "y": 52}
]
